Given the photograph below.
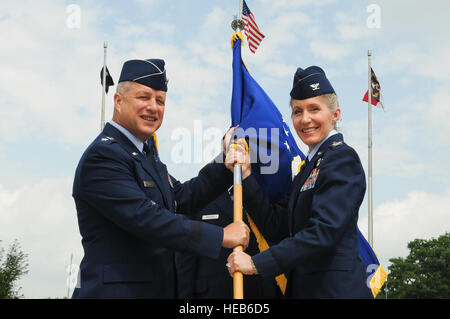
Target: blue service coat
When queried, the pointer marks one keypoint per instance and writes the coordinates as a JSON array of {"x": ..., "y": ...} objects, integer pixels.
[
  {"x": 202, "y": 277},
  {"x": 318, "y": 220},
  {"x": 126, "y": 214}
]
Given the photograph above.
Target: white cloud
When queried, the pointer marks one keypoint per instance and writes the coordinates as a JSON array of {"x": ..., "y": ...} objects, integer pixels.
[
  {"x": 212, "y": 45},
  {"x": 284, "y": 31},
  {"x": 409, "y": 140},
  {"x": 50, "y": 84},
  {"x": 413, "y": 59},
  {"x": 330, "y": 50},
  {"x": 425, "y": 21},
  {"x": 146, "y": 3},
  {"x": 289, "y": 4},
  {"x": 397, "y": 222},
  {"x": 437, "y": 114},
  {"x": 351, "y": 26},
  {"x": 351, "y": 32},
  {"x": 42, "y": 217}
]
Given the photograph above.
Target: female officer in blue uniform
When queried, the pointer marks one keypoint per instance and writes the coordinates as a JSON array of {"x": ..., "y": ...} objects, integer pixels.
[{"x": 317, "y": 220}]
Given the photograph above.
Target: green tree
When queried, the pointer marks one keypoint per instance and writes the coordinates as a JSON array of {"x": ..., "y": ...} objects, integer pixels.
[
  {"x": 12, "y": 266},
  {"x": 424, "y": 273}
]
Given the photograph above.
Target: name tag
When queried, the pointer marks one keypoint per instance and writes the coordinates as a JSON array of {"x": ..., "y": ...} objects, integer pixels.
[
  {"x": 210, "y": 217},
  {"x": 149, "y": 184}
]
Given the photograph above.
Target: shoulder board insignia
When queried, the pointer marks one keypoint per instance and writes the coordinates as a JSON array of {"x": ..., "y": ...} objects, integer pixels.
[
  {"x": 336, "y": 144},
  {"x": 107, "y": 138}
]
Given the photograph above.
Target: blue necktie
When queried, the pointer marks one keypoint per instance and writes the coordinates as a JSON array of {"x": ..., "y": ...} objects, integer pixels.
[{"x": 147, "y": 151}]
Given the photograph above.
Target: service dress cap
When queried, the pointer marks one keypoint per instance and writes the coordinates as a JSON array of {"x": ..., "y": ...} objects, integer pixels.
[
  {"x": 310, "y": 82},
  {"x": 149, "y": 72}
]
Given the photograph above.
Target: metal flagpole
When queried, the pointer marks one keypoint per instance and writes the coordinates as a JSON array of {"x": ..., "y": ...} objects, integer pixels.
[
  {"x": 102, "y": 123},
  {"x": 369, "y": 101},
  {"x": 241, "y": 6},
  {"x": 70, "y": 273}
]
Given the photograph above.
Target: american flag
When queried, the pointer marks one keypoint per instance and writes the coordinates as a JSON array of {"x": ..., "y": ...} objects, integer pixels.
[{"x": 251, "y": 30}]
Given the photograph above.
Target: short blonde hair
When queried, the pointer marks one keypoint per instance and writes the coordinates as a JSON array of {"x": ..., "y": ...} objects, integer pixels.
[{"x": 332, "y": 100}]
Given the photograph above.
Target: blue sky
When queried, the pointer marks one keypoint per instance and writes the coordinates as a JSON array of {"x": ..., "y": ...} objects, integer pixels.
[{"x": 50, "y": 98}]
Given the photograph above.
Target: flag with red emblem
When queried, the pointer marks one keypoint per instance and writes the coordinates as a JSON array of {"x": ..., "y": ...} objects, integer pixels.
[{"x": 377, "y": 99}]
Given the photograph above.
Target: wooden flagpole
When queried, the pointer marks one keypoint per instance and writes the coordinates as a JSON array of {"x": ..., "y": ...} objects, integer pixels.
[{"x": 238, "y": 278}]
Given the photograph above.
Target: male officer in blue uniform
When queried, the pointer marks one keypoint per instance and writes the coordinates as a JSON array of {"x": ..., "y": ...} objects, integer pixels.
[
  {"x": 317, "y": 220},
  {"x": 126, "y": 201},
  {"x": 201, "y": 277}
]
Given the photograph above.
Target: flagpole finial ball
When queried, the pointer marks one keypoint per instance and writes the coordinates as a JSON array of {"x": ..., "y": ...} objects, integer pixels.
[{"x": 238, "y": 25}]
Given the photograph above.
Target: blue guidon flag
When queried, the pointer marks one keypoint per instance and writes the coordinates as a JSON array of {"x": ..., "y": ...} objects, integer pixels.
[
  {"x": 377, "y": 274},
  {"x": 272, "y": 146},
  {"x": 275, "y": 156}
]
